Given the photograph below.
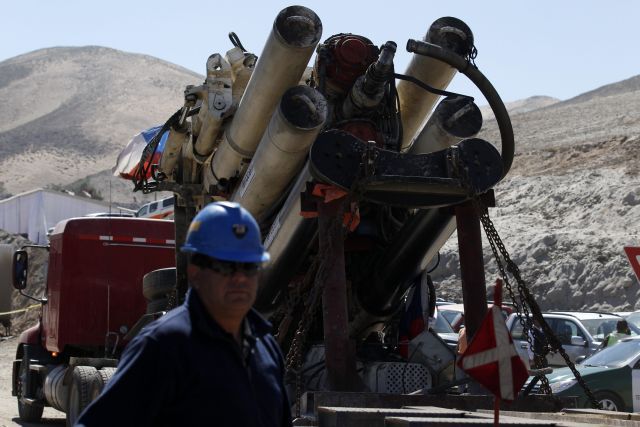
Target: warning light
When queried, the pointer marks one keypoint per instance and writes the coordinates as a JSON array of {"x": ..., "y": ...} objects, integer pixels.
[{"x": 54, "y": 353}]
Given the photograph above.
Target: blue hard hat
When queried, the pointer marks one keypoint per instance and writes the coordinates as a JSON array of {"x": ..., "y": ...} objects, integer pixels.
[{"x": 226, "y": 231}]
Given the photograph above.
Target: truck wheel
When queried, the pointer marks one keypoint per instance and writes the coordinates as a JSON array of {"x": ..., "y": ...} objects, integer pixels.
[
  {"x": 104, "y": 376},
  {"x": 157, "y": 305},
  {"x": 82, "y": 382},
  {"x": 26, "y": 411},
  {"x": 158, "y": 283}
]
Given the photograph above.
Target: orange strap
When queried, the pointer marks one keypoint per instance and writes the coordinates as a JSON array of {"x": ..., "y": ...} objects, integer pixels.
[{"x": 329, "y": 193}]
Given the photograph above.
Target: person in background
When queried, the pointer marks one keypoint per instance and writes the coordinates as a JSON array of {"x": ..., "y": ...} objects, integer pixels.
[
  {"x": 462, "y": 341},
  {"x": 213, "y": 360},
  {"x": 622, "y": 331}
]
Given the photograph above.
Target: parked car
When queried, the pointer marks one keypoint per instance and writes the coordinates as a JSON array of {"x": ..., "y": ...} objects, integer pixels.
[
  {"x": 444, "y": 331},
  {"x": 613, "y": 375},
  {"x": 581, "y": 334},
  {"x": 454, "y": 313},
  {"x": 160, "y": 209}
]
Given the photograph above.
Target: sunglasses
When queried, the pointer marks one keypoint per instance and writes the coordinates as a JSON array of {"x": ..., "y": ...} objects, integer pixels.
[{"x": 228, "y": 268}]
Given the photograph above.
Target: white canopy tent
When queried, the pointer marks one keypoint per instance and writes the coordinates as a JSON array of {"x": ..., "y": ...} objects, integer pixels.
[{"x": 32, "y": 213}]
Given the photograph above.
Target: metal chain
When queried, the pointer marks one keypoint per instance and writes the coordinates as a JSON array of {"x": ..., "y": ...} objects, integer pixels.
[
  {"x": 522, "y": 311},
  {"x": 172, "y": 299},
  {"x": 527, "y": 299},
  {"x": 318, "y": 271},
  {"x": 527, "y": 304},
  {"x": 294, "y": 355}
]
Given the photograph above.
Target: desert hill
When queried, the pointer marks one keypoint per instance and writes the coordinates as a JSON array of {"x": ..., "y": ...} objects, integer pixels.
[
  {"x": 571, "y": 202},
  {"x": 520, "y": 106},
  {"x": 565, "y": 210},
  {"x": 68, "y": 111}
]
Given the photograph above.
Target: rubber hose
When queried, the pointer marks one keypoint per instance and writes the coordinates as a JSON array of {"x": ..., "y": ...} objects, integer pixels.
[{"x": 482, "y": 83}]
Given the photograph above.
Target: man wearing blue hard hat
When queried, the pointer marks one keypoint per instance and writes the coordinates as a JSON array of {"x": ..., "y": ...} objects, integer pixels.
[{"x": 213, "y": 360}]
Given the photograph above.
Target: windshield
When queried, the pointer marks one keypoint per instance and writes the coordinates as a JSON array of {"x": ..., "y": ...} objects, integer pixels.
[
  {"x": 600, "y": 328},
  {"x": 449, "y": 316},
  {"x": 634, "y": 319},
  {"x": 442, "y": 326},
  {"x": 615, "y": 356}
]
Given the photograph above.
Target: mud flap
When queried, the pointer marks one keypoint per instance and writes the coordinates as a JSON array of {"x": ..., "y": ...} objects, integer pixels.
[{"x": 14, "y": 376}]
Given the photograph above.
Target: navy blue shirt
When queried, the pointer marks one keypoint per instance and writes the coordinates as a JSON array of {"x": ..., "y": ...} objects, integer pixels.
[{"x": 185, "y": 370}]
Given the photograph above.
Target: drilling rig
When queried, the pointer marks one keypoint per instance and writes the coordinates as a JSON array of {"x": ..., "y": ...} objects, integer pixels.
[{"x": 357, "y": 176}]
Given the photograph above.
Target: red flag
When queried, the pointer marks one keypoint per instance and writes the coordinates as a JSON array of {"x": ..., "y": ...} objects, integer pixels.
[
  {"x": 633, "y": 253},
  {"x": 492, "y": 360}
]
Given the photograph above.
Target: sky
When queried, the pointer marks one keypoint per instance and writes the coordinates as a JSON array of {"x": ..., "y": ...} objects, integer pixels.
[{"x": 558, "y": 48}]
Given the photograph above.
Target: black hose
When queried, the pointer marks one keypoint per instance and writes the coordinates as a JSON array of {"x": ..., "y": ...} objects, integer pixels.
[
  {"x": 428, "y": 88},
  {"x": 482, "y": 83},
  {"x": 140, "y": 181},
  {"x": 235, "y": 40}
]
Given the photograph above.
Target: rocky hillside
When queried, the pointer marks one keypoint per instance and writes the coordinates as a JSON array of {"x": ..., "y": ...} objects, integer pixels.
[
  {"x": 520, "y": 106},
  {"x": 68, "y": 111},
  {"x": 570, "y": 203},
  {"x": 565, "y": 210}
]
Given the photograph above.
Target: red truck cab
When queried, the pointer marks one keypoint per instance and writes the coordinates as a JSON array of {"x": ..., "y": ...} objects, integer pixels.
[
  {"x": 94, "y": 281},
  {"x": 94, "y": 297}
]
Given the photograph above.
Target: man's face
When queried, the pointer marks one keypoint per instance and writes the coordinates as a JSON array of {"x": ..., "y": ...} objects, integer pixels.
[{"x": 224, "y": 295}]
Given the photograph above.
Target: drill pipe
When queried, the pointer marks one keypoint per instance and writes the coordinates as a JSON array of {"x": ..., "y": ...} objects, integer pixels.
[
  {"x": 454, "y": 119},
  {"x": 282, "y": 150},
  {"x": 415, "y": 103},
  {"x": 296, "y": 31}
]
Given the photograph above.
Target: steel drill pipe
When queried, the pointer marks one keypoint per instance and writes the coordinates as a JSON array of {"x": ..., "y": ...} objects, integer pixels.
[
  {"x": 415, "y": 104},
  {"x": 454, "y": 119},
  {"x": 282, "y": 150},
  {"x": 295, "y": 34},
  {"x": 484, "y": 85},
  {"x": 288, "y": 242}
]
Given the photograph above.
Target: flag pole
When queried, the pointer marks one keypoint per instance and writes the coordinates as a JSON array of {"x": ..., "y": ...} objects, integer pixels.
[{"x": 497, "y": 300}]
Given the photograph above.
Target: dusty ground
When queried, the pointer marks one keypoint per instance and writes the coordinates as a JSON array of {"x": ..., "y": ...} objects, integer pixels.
[{"x": 8, "y": 403}]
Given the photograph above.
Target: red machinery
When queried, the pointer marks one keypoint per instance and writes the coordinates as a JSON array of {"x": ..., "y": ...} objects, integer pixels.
[{"x": 92, "y": 304}]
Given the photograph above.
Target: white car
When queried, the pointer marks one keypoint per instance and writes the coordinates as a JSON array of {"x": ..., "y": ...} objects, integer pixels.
[{"x": 581, "y": 334}]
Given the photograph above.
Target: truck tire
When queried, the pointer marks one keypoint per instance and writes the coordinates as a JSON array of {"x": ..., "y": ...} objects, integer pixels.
[
  {"x": 157, "y": 305},
  {"x": 158, "y": 283},
  {"x": 83, "y": 379},
  {"x": 26, "y": 411},
  {"x": 104, "y": 376}
]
